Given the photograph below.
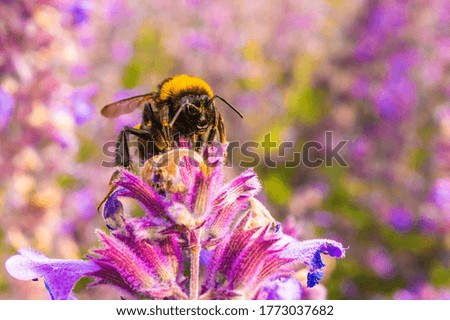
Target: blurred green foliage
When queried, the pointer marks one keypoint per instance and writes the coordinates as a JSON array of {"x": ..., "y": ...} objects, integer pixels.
[{"x": 149, "y": 57}]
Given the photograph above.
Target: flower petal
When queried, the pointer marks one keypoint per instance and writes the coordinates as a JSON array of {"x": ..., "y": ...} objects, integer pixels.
[
  {"x": 59, "y": 275},
  {"x": 142, "y": 192},
  {"x": 283, "y": 288},
  {"x": 202, "y": 191},
  {"x": 7, "y": 103},
  {"x": 113, "y": 210},
  {"x": 231, "y": 199},
  {"x": 308, "y": 252}
]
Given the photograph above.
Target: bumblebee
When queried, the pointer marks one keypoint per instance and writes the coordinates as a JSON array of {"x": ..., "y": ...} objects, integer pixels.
[{"x": 183, "y": 106}]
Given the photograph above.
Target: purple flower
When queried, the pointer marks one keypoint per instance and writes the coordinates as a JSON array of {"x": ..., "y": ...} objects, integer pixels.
[
  {"x": 361, "y": 87},
  {"x": 401, "y": 219},
  {"x": 423, "y": 291},
  {"x": 441, "y": 194},
  {"x": 197, "y": 41},
  {"x": 83, "y": 109},
  {"x": 309, "y": 252},
  {"x": 79, "y": 12},
  {"x": 380, "y": 262},
  {"x": 199, "y": 238},
  {"x": 7, "y": 102},
  {"x": 121, "y": 51},
  {"x": 389, "y": 83},
  {"x": 284, "y": 288},
  {"x": 323, "y": 219},
  {"x": 384, "y": 20},
  {"x": 59, "y": 275},
  {"x": 395, "y": 99}
]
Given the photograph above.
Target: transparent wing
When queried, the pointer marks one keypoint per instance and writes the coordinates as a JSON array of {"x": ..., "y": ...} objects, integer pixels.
[{"x": 127, "y": 105}]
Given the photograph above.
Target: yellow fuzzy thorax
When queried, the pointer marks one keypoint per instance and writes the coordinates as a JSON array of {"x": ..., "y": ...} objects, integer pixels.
[{"x": 183, "y": 83}]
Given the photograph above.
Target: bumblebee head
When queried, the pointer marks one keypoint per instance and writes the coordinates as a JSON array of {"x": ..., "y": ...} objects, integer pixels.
[
  {"x": 193, "y": 97},
  {"x": 198, "y": 108},
  {"x": 182, "y": 85}
]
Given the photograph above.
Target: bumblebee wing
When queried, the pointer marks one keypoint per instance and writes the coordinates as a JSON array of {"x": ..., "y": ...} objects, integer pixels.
[{"x": 127, "y": 105}]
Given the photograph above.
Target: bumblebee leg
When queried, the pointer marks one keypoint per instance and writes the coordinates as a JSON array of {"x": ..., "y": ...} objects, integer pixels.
[
  {"x": 222, "y": 133},
  {"x": 123, "y": 158},
  {"x": 143, "y": 134},
  {"x": 143, "y": 151},
  {"x": 213, "y": 132},
  {"x": 223, "y": 138},
  {"x": 167, "y": 128},
  {"x": 152, "y": 146},
  {"x": 193, "y": 142},
  {"x": 159, "y": 143},
  {"x": 122, "y": 151},
  {"x": 148, "y": 147},
  {"x": 201, "y": 142},
  {"x": 112, "y": 188}
]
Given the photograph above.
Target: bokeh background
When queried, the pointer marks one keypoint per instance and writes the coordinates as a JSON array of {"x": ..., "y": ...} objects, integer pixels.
[{"x": 375, "y": 73}]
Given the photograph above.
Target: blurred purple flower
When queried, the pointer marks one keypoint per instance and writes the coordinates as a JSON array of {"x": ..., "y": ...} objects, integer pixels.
[
  {"x": 440, "y": 194},
  {"x": 361, "y": 87},
  {"x": 428, "y": 224},
  {"x": 323, "y": 219},
  {"x": 350, "y": 289},
  {"x": 380, "y": 262},
  {"x": 197, "y": 41},
  {"x": 80, "y": 71},
  {"x": 388, "y": 84},
  {"x": 395, "y": 99},
  {"x": 79, "y": 11},
  {"x": 118, "y": 10},
  {"x": 401, "y": 219},
  {"x": 7, "y": 103},
  {"x": 83, "y": 108},
  {"x": 47, "y": 72},
  {"x": 83, "y": 200},
  {"x": 423, "y": 291},
  {"x": 122, "y": 51},
  {"x": 385, "y": 19},
  {"x": 360, "y": 149}
]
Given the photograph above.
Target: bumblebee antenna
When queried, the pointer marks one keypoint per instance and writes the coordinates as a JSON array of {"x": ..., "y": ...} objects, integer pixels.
[{"x": 228, "y": 104}]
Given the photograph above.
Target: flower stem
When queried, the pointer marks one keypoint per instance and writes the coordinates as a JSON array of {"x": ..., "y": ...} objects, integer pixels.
[{"x": 195, "y": 247}]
